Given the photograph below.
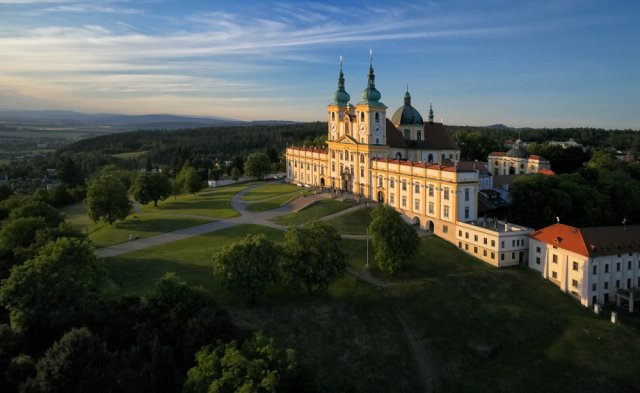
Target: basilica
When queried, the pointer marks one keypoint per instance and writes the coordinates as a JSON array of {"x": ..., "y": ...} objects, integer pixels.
[{"x": 405, "y": 162}]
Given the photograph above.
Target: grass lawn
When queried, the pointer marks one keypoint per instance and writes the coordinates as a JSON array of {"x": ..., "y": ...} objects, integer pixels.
[
  {"x": 141, "y": 225},
  {"x": 353, "y": 223},
  {"x": 348, "y": 338},
  {"x": 271, "y": 204},
  {"x": 321, "y": 208},
  {"x": 214, "y": 203},
  {"x": 269, "y": 191},
  {"x": 508, "y": 330}
]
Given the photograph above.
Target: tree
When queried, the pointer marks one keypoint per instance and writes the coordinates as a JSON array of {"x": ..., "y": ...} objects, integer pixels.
[
  {"x": 188, "y": 180},
  {"x": 79, "y": 362},
  {"x": 246, "y": 267},
  {"x": 235, "y": 174},
  {"x": 50, "y": 214},
  {"x": 312, "y": 255},
  {"x": 5, "y": 191},
  {"x": 151, "y": 187},
  {"x": 257, "y": 366},
  {"x": 394, "y": 241},
  {"x": 69, "y": 173},
  {"x": 107, "y": 199},
  {"x": 257, "y": 165},
  {"x": 59, "y": 288}
]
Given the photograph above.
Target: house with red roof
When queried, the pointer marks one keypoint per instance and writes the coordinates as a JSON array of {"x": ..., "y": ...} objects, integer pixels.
[{"x": 595, "y": 265}]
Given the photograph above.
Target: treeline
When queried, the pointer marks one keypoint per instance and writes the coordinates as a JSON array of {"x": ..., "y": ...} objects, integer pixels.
[
  {"x": 604, "y": 192},
  {"x": 65, "y": 326}
]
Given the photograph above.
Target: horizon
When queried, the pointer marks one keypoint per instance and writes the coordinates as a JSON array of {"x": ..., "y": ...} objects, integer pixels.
[{"x": 551, "y": 64}]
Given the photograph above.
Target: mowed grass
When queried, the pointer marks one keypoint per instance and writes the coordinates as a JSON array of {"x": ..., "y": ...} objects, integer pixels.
[
  {"x": 348, "y": 338},
  {"x": 214, "y": 203},
  {"x": 269, "y": 191},
  {"x": 140, "y": 225},
  {"x": 352, "y": 223},
  {"x": 507, "y": 330},
  {"x": 318, "y": 209},
  {"x": 272, "y": 203}
]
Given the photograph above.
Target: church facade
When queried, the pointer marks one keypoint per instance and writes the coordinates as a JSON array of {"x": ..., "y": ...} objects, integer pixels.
[{"x": 403, "y": 161}]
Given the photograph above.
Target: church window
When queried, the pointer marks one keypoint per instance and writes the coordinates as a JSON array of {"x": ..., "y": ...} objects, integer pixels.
[
  {"x": 446, "y": 194},
  {"x": 361, "y": 171},
  {"x": 404, "y": 185},
  {"x": 377, "y": 117},
  {"x": 333, "y": 116},
  {"x": 361, "y": 116},
  {"x": 407, "y": 134}
]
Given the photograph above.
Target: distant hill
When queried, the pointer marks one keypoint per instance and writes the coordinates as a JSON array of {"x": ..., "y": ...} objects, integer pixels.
[
  {"x": 118, "y": 122},
  {"x": 499, "y": 126}
]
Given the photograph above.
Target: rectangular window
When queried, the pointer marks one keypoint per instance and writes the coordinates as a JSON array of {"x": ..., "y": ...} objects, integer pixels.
[
  {"x": 446, "y": 212},
  {"x": 475, "y": 249},
  {"x": 554, "y": 275},
  {"x": 606, "y": 268},
  {"x": 629, "y": 265},
  {"x": 555, "y": 258},
  {"x": 466, "y": 235},
  {"x": 574, "y": 283},
  {"x": 513, "y": 255},
  {"x": 446, "y": 194},
  {"x": 361, "y": 171},
  {"x": 502, "y": 243},
  {"x": 493, "y": 243},
  {"x": 466, "y": 212},
  {"x": 459, "y": 233},
  {"x": 351, "y": 157},
  {"x": 416, "y": 204},
  {"x": 404, "y": 201},
  {"x": 431, "y": 207},
  {"x": 333, "y": 154},
  {"x": 576, "y": 266},
  {"x": 502, "y": 257},
  {"x": 493, "y": 255},
  {"x": 404, "y": 185},
  {"x": 538, "y": 250},
  {"x": 430, "y": 190},
  {"x": 485, "y": 240},
  {"x": 392, "y": 199},
  {"x": 595, "y": 269},
  {"x": 484, "y": 253},
  {"x": 618, "y": 266},
  {"x": 380, "y": 181},
  {"x": 417, "y": 188},
  {"x": 466, "y": 194},
  {"x": 628, "y": 283},
  {"x": 466, "y": 247},
  {"x": 594, "y": 287},
  {"x": 460, "y": 244},
  {"x": 513, "y": 243},
  {"x": 606, "y": 285},
  {"x": 538, "y": 260},
  {"x": 445, "y": 229},
  {"x": 617, "y": 284},
  {"x": 419, "y": 135},
  {"x": 392, "y": 182}
]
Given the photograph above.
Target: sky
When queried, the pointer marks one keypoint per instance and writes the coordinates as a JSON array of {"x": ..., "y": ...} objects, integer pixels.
[{"x": 547, "y": 63}]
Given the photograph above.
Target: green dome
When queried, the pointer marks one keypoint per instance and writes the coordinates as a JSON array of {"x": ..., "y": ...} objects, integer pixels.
[
  {"x": 371, "y": 95},
  {"x": 407, "y": 114},
  {"x": 341, "y": 97}
]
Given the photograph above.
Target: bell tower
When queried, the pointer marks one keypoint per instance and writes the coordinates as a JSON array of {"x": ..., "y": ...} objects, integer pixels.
[
  {"x": 336, "y": 110},
  {"x": 371, "y": 113}
]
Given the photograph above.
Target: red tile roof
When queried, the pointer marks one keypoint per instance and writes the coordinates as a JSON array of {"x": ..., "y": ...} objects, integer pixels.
[
  {"x": 547, "y": 172},
  {"x": 497, "y": 153},
  {"x": 311, "y": 149},
  {"x": 446, "y": 168},
  {"x": 591, "y": 242}
]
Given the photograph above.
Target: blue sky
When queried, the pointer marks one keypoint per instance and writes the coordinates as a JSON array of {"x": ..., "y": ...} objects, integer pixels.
[{"x": 522, "y": 63}]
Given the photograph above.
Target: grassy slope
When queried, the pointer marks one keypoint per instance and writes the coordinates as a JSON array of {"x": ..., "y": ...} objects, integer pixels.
[
  {"x": 353, "y": 223},
  {"x": 269, "y": 191},
  {"x": 318, "y": 209},
  {"x": 141, "y": 225},
  {"x": 214, "y": 203}
]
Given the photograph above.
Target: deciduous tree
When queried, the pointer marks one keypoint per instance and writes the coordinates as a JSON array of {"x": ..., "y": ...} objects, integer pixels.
[
  {"x": 107, "y": 199},
  {"x": 247, "y": 267},
  {"x": 151, "y": 187},
  {"x": 257, "y": 165},
  {"x": 394, "y": 240},
  {"x": 188, "y": 180},
  {"x": 312, "y": 255}
]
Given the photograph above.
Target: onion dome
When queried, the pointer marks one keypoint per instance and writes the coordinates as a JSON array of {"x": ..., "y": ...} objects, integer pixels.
[
  {"x": 371, "y": 95},
  {"x": 518, "y": 151},
  {"x": 341, "y": 97},
  {"x": 407, "y": 114}
]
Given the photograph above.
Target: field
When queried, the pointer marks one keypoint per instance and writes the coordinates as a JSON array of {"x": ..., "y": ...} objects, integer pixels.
[
  {"x": 318, "y": 209},
  {"x": 270, "y": 191},
  {"x": 485, "y": 330},
  {"x": 214, "y": 203}
]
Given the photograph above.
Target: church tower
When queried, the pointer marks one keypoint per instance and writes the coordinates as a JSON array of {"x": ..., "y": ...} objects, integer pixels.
[
  {"x": 371, "y": 113},
  {"x": 337, "y": 110}
]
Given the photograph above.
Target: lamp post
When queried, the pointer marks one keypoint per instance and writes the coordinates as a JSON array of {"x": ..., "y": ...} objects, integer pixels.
[{"x": 366, "y": 265}]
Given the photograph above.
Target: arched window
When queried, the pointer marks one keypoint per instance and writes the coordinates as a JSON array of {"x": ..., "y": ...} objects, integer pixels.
[
  {"x": 333, "y": 116},
  {"x": 377, "y": 117},
  {"x": 398, "y": 156},
  {"x": 361, "y": 116},
  {"x": 430, "y": 158},
  {"x": 362, "y": 158},
  {"x": 419, "y": 135},
  {"x": 443, "y": 157}
]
